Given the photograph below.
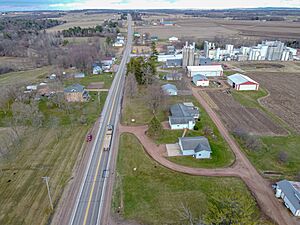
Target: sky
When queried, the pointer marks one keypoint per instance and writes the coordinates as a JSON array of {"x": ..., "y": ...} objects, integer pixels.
[{"x": 19, "y": 5}]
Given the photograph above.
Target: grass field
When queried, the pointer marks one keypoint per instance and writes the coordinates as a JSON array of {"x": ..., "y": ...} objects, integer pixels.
[
  {"x": 267, "y": 158},
  {"x": 152, "y": 194},
  {"x": 16, "y": 63},
  {"x": 24, "y": 77},
  {"x": 52, "y": 152}
]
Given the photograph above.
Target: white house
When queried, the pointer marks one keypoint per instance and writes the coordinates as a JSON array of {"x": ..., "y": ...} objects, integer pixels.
[
  {"x": 32, "y": 87},
  {"x": 173, "y": 39},
  {"x": 200, "y": 80},
  {"x": 207, "y": 70},
  {"x": 183, "y": 116},
  {"x": 241, "y": 82},
  {"x": 197, "y": 147},
  {"x": 289, "y": 191},
  {"x": 169, "y": 89}
]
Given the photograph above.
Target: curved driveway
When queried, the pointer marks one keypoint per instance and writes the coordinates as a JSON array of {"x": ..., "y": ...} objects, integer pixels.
[{"x": 242, "y": 168}]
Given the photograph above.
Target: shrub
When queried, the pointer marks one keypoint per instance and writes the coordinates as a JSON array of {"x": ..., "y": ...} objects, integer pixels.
[
  {"x": 283, "y": 157},
  {"x": 196, "y": 127}
]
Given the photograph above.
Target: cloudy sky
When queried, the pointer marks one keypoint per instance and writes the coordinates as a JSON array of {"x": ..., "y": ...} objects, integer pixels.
[{"x": 141, "y": 4}]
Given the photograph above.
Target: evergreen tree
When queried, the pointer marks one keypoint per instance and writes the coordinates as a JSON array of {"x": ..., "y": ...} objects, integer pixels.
[{"x": 155, "y": 128}]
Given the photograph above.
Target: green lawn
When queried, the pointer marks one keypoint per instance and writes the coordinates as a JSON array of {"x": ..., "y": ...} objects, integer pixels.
[
  {"x": 152, "y": 194},
  {"x": 107, "y": 78},
  {"x": 267, "y": 158}
]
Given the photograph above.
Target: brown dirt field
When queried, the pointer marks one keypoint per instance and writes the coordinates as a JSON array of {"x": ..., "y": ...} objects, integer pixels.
[
  {"x": 266, "y": 66},
  {"x": 236, "y": 116},
  {"x": 207, "y": 28},
  {"x": 284, "y": 98}
]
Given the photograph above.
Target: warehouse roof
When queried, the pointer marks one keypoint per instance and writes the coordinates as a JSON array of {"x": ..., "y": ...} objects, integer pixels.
[
  {"x": 205, "y": 68},
  {"x": 197, "y": 144},
  {"x": 240, "y": 79},
  {"x": 292, "y": 191}
]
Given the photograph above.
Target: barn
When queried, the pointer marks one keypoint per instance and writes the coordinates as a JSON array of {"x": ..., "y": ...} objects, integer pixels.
[
  {"x": 200, "y": 80},
  {"x": 242, "y": 82},
  {"x": 208, "y": 70}
]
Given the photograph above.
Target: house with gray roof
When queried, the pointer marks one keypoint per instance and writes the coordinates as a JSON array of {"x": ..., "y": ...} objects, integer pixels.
[
  {"x": 183, "y": 116},
  {"x": 76, "y": 93},
  {"x": 197, "y": 147},
  {"x": 169, "y": 89},
  {"x": 289, "y": 191}
]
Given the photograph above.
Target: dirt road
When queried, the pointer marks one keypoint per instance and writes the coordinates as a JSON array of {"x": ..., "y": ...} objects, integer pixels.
[{"x": 242, "y": 168}]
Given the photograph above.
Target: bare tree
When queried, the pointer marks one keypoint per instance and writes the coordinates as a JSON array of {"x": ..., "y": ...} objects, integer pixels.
[
  {"x": 131, "y": 85},
  {"x": 155, "y": 97}
]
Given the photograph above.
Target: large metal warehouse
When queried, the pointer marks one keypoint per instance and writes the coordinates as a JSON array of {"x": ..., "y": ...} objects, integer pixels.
[
  {"x": 208, "y": 71},
  {"x": 241, "y": 82}
]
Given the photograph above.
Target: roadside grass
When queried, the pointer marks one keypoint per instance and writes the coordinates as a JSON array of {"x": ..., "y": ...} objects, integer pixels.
[
  {"x": 222, "y": 156},
  {"x": 41, "y": 152},
  {"x": 267, "y": 158},
  {"x": 107, "y": 78},
  {"x": 152, "y": 194},
  {"x": 229, "y": 72},
  {"x": 24, "y": 77}
]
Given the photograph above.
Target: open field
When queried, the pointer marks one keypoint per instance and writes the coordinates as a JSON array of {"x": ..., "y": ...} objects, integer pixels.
[
  {"x": 16, "y": 63},
  {"x": 107, "y": 78},
  {"x": 81, "y": 19},
  {"x": 23, "y": 77},
  {"x": 284, "y": 98},
  {"x": 208, "y": 28},
  {"x": 249, "y": 119},
  {"x": 52, "y": 152},
  {"x": 152, "y": 194}
]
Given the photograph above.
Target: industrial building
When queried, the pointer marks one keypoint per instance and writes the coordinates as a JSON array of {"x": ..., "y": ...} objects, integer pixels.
[
  {"x": 242, "y": 82},
  {"x": 208, "y": 71},
  {"x": 188, "y": 55},
  {"x": 267, "y": 50}
]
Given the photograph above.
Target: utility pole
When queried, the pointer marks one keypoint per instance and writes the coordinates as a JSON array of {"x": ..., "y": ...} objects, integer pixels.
[{"x": 46, "y": 179}]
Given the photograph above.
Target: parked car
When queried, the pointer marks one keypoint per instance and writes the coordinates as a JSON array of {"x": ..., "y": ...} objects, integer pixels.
[{"x": 89, "y": 138}]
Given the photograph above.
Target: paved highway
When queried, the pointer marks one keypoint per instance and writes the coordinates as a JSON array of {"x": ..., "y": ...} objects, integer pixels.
[{"x": 89, "y": 205}]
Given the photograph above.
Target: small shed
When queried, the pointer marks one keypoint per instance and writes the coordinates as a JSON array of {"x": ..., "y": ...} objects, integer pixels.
[
  {"x": 169, "y": 89},
  {"x": 173, "y": 76},
  {"x": 79, "y": 75},
  {"x": 200, "y": 80},
  {"x": 173, "y": 39},
  {"x": 97, "y": 70},
  {"x": 242, "y": 82}
]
